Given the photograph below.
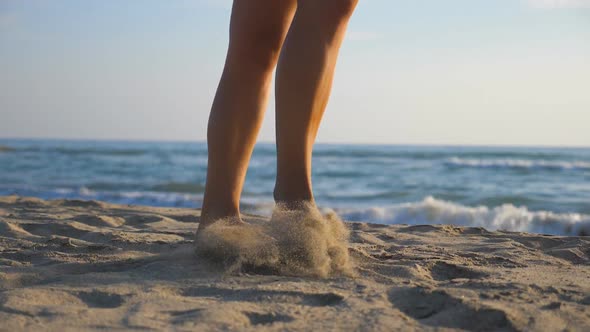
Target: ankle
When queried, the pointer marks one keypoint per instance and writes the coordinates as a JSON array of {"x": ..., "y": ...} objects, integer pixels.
[
  {"x": 294, "y": 200},
  {"x": 210, "y": 214}
]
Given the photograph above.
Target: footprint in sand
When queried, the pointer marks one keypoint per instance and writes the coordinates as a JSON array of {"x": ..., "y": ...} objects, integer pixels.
[
  {"x": 98, "y": 299},
  {"x": 438, "y": 308},
  {"x": 256, "y": 295},
  {"x": 267, "y": 319},
  {"x": 443, "y": 271}
]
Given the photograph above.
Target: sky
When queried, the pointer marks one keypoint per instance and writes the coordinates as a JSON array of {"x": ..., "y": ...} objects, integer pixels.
[{"x": 477, "y": 72}]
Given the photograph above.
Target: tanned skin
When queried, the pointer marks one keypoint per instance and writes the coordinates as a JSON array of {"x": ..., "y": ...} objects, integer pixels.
[{"x": 301, "y": 39}]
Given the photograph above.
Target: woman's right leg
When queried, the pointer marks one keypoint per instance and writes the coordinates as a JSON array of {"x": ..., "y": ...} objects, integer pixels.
[
  {"x": 303, "y": 85},
  {"x": 257, "y": 32}
]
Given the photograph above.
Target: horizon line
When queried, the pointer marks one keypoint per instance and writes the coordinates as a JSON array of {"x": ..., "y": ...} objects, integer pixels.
[{"x": 416, "y": 144}]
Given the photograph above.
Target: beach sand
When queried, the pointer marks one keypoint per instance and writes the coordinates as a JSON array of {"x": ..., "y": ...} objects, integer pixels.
[{"x": 87, "y": 265}]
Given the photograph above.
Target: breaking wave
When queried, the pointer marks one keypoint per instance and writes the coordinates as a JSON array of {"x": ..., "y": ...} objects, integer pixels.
[
  {"x": 519, "y": 163},
  {"x": 506, "y": 217}
]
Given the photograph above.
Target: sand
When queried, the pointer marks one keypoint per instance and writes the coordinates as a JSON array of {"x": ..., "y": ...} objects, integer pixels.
[{"x": 87, "y": 265}]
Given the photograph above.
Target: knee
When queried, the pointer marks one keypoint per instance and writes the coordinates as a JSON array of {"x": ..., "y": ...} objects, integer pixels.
[
  {"x": 336, "y": 11},
  {"x": 257, "y": 48},
  {"x": 340, "y": 9}
]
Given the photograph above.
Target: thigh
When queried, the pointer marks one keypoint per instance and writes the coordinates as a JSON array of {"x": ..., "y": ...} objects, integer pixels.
[{"x": 260, "y": 24}]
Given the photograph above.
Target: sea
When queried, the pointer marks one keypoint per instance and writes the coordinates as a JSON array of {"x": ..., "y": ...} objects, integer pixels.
[{"x": 519, "y": 189}]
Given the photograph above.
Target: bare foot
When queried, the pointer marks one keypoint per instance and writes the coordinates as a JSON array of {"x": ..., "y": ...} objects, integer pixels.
[
  {"x": 206, "y": 221},
  {"x": 236, "y": 244}
]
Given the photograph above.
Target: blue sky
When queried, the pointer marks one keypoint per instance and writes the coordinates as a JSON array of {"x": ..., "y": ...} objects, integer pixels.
[{"x": 416, "y": 71}]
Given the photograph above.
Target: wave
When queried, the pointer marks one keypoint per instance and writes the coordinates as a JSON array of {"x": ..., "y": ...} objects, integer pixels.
[
  {"x": 179, "y": 187},
  {"x": 506, "y": 217},
  {"x": 4, "y": 148},
  {"x": 519, "y": 163},
  {"x": 138, "y": 197},
  {"x": 441, "y": 152},
  {"x": 107, "y": 152},
  {"x": 74, "y": 151}
]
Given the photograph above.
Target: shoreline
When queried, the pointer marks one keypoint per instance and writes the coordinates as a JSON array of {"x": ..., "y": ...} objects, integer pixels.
[{"x": 71, "y": 264}]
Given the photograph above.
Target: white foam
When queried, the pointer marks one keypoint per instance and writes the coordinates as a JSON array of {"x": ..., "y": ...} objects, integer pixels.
[
  {"x": 506, "y": 217},
  {"x": 519, "y": 163},
  {"x": 83, "y": 191}
]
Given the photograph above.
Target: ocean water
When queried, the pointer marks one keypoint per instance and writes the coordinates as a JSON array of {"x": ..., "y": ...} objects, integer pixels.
[{"x": 540, "y": 190}]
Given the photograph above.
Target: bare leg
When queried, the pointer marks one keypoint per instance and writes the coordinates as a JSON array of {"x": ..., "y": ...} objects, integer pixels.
[
  {"x": 257, "y": 32},
  {"x": 303, "y": 84}
]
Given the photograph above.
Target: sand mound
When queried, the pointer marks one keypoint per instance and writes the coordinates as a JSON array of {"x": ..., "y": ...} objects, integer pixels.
[
  {"x": 299, "y": 242},
  {"x": 236, "y": 247},
  {"x": 310, "y": 243}
]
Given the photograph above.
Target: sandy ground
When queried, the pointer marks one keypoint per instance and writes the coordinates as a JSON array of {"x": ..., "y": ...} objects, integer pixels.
[{"x": 74, "y": 265}]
